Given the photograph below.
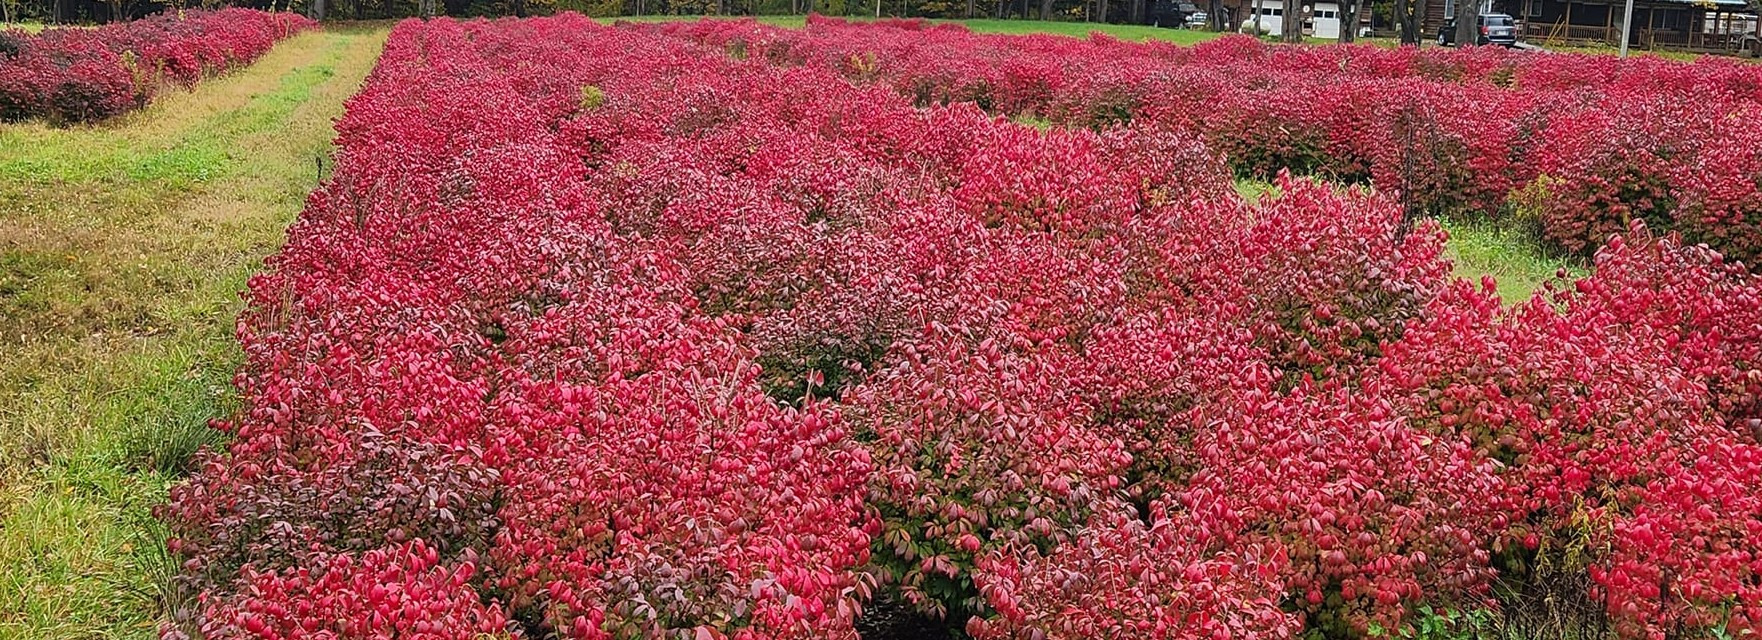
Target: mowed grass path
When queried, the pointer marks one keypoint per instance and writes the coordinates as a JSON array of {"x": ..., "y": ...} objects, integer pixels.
[{"x": 122, "y": 250}]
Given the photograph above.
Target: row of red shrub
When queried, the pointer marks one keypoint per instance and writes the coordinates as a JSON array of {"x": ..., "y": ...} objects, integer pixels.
[
  {"x": 81, "y": 75},
  {"x": 1577, "y": 144},
  {"x": 601, "y": 334}
]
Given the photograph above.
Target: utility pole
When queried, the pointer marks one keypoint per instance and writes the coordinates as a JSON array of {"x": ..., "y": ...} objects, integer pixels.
[{"x": 1627, "y": 26}]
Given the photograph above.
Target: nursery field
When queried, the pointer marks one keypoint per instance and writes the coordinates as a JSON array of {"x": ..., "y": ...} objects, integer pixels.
[
  {"x": 894, "y": 330},
  {"x": 882, "y": 330}
]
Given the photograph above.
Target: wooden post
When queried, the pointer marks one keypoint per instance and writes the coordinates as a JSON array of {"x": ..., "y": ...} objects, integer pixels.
[
  {"x": 1651, "y": 28},
  {"x": 1723, "y": 23},
  {"x": 1568, "y": 19},
  {"x": 1731, "y": 19}
]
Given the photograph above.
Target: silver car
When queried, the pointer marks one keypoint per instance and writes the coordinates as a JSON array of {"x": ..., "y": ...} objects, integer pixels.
[{"x": 1495, "y": 28}]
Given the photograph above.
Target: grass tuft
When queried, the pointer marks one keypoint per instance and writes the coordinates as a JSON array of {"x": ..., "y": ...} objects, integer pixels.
[{"x": 1515, "y": 259}]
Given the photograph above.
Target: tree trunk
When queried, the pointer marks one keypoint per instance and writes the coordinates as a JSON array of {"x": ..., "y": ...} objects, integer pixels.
[
  {"x": 1468, "y": 28},
  {"x": 1137, "y": 12},
  {"x": 1045, "y": 10},
  {"x": 1405, "y": 21},
  {"x": 972, "y": 9},
  {"x": 1101, "y": 13},
  {"x": 1348, "y": 20},
  {"x": 1291, "y": 25},
  {"x": 1260, "y": 6},
  {"x": 316, "y": 11}
]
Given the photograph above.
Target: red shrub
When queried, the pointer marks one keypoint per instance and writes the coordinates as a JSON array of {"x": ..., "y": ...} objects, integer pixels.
[
  {"x": 1622, "y": 418},
  {"x": 1375, "y": 515},
  {"x": 649, "y": 484},
  {"x": 1720, "y": 197},
  {"x": 82, "y": 75},
  {"x": 1603, "y": 169},
  {"x": 1327, "y": 278},
  {"x": 1123, "y": 578},
  {"x": 977, "y": 447},
  {"x": 403, "y": 591}
]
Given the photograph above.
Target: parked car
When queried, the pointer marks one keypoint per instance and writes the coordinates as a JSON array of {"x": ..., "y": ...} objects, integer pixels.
[
  {"x": 1174, "y": 14},
  {"x": 1495, "y": 28},
  {"x": 1197, "y": 20}
]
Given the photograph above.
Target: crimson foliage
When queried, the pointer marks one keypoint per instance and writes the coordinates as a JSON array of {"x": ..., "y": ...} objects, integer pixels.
[
  {"x": 600, "y": 333},
  {"x": 80, "y": 75},
  {"x": 1580, "y": 144}
]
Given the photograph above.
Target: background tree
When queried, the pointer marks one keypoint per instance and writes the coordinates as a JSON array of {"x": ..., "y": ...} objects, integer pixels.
[
  {"x": 1468, "y": 28},
  {"x": 1291, "y": 24},
  {"x": 1407, "y": 21},
  {"x": 1348, "y": 20}
]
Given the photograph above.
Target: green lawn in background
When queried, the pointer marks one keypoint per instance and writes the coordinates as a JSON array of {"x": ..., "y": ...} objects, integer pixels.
[
  {"x": 1129, "y": 32},
  {"x": 1012, "y": 27}
]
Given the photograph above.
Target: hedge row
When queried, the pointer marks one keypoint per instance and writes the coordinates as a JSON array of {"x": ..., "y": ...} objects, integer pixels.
[
  {"x": 82, "y": 75},
  {"x": 600, "y": 334},
  {"x": 1575, "y": 145}
]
